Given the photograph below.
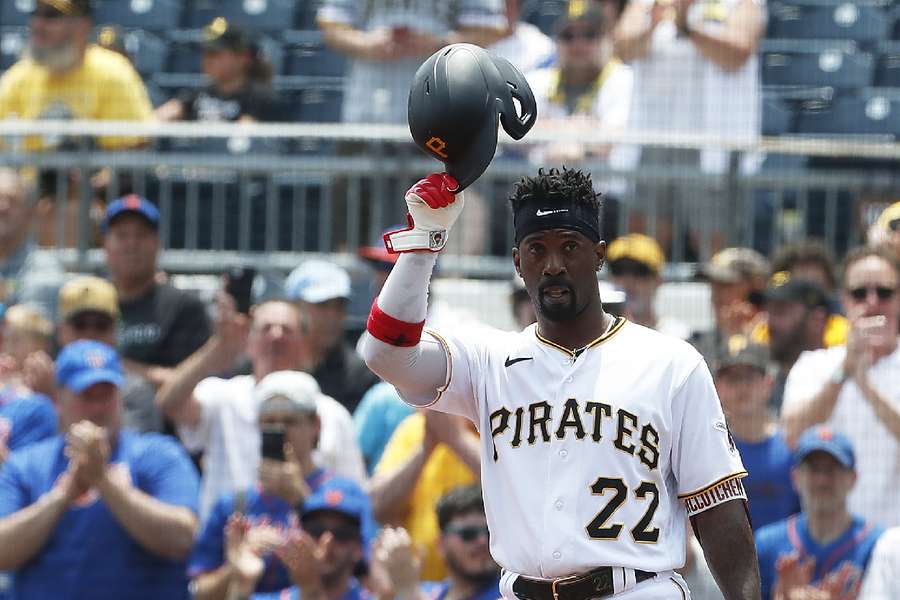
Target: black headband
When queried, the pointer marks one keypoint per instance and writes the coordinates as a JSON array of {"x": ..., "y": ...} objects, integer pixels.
[{"x": 540, "y": 214}]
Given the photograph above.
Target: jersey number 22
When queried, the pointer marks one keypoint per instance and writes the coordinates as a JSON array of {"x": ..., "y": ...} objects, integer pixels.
[{"x": 600, "y": 529}]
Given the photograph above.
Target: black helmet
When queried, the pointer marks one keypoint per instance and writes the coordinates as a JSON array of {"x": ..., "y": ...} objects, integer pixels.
[{"x": 454, "y": 103}]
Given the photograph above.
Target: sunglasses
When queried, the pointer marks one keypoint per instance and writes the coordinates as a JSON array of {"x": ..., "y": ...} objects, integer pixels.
[
  {"x": 894, "y": 224},
  {"x": 635, "y": 269},
  {"x": 469, "y": 533},
  {"x": 93, "y": 322},
  {"x": 343, "y": 533},
  {"x": 861, "y": 293},
  {"x": 570, "y": 36}
]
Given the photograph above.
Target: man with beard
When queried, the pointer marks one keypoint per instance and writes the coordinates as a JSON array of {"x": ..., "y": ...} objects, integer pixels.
[
  {"x": 625, "y": 434},
  {"x": 464, "y": 544},
  {"x": 63, "y": 76},
  {"x": 797, "y": 313}
]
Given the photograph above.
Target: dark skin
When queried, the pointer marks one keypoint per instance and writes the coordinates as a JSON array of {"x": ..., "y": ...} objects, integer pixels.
[{"x": 559, "y": 267}]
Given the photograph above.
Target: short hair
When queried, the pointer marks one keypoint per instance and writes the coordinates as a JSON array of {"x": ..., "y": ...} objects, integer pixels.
[
  {"x": 806, "y": 252},
  {"x": 459, "y": 501},
  {"x": 303, "y": 319},
  {"x": 556, "y": 187},
  {"x": 863, "y": 252}
]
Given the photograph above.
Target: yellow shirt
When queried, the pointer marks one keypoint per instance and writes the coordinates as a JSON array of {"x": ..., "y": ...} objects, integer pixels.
[
  {"x": 104, "y": 87},
  {"x": 836, "y": 330},
  {"x": 443, "y": 471}
]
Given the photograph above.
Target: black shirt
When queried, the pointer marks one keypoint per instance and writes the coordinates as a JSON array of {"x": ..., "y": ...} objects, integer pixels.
[
  {"x": 211, "y": 105},
  {"x": 163, "y": 327},
  {"x": 344, "y": 376}
]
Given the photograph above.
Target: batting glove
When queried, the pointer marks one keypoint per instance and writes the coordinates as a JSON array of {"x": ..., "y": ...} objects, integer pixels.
[{"x": 433, "y": 209}]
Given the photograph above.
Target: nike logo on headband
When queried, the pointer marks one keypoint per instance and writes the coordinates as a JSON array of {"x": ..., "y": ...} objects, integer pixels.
[{"x": 544, "y": 213}]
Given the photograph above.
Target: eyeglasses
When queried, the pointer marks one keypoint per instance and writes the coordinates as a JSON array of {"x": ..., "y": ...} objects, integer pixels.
[
  {"x": 623, "y": 268},
  {"x": 469, "y": 533},
  {"x": 343, "y": 533},
  {"x": 94, "y": 322},
  {"x": 883, "y": 292},
  {"x": 570, "y": 35},
  {"x": 47, "y": 12}
]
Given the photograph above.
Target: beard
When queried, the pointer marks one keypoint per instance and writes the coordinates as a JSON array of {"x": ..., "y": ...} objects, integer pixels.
[
  {"x": 563, "y": 311},
  {"x": 478, "y": 577},
  {"x": 56, "y": 59},
  {"x": 790, "y": 344}
]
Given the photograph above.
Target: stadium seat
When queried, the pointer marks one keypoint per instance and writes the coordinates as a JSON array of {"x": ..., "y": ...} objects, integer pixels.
[
  {"x": 15, "y": 12},
  {"x": 829, "y": 68},
  {"x": 545, "y": 13},
  {"x": 847, "y": 116},
  {"x": 844, "y": 21},
  {"x": 306, "y": 15},
  {"x": 777, "y": 116},
  {"x": 155, "y": 15},
  {"x": 185, "y": 57},
  {"x": 312, "y": 59},
  {"x": 887, "y": 73},
  {"x": 12, "y": 42},
  {"x": 148, "y": 52},
  {"x": 315, "y": 105},
  {"x": 261, "y": 15}
]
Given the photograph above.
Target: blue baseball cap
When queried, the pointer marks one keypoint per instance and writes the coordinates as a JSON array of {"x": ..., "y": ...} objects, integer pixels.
[
  {"x": 340, "y": 496},
  {"x": 824, "y": 439},
  {"x": 317, "y": 281},
  {"x": 131, "y": 203},
  {"x": 83, "y": 363}
]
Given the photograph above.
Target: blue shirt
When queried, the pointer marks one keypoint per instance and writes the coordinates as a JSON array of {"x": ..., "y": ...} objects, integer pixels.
[
  {"x": 209, "y": 550},
  {"x": 354, "y": 592},
  {"x": 89, "y": 555},
  {"x": 768, "y": 484},
  {"x": 25, "y": 419},
  {"x": 792, "y": 535},
  {"x": 378, "y": 414},
  {"x": 437, "y": 590}
]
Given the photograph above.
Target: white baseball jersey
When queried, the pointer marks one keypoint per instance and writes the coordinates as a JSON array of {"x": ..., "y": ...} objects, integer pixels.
[{"x": 590, "y": 460}]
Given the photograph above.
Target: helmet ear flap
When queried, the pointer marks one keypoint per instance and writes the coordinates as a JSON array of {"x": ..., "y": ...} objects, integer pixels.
[{"x": 512, "y": 86}]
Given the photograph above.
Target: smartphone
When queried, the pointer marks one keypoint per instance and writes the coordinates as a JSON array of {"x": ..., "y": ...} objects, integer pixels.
[
  {"x": 273, "y": 442},
  {"x": 239, "y": 285}
]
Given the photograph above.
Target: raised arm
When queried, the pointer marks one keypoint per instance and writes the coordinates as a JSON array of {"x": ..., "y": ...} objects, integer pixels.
[
  {"x": 724, "y": 532},
  {"x": 394, "y": 347},
  {"x": 735, "y": 44}
]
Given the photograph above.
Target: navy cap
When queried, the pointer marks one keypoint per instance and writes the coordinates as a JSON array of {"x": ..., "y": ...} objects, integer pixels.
[
  {"x": 824, "y": 439},
  {"x": 340, "y": 496},
  {"x": 131, "y": 204},
  {"x": 83, "y": 363},
  {"x": 783, "y": 287}
]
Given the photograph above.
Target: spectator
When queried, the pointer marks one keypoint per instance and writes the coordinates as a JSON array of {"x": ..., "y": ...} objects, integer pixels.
[
  {"x": 520, "y": 303},
  {"x": 219, "y": 416},
  {"x": 588, "y": 90},
  {"x": 322, "y": 290},
  {"x": 25, "y": 417},
  {"x": 695, "y": 72},
  {"x": 825, "y": 540},
  {"x": 853, "y": 388},
  {"x": 636, "y": 264},
  {"x": 64, "y": 76},
  {"x": 160, "y": 325},
  {"x": 26, "y": 274},
  {"x": 464, "y": 544},
  {"x": 736, "y": 277},
  {"x": 375, "y": 419},
  {"x": 744, "y": 385},
  {"x": 881, "y": 581},
  {"x": 99, "y": 509},
  {"x": 525, "y": 46},
  {"x": 283, "y": 486},
  {"x": 386, "y": 43},
  {"x": 886, "y": 229},
  {"x": 240, "y": 76},
  {"x": 796, "y": 320},
  {"x": 428, "y": 455}
]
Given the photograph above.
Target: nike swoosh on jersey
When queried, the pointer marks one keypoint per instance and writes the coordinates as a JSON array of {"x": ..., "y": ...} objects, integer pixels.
[
  {"x": 543, "y": 213},
  {"x": 511, "y": 361}
]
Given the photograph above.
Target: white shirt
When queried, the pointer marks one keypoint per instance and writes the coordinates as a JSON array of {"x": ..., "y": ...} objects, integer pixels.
[
  {"x": 610, "y": 102},
  {"x": 588, "y": 461},
  {"x": 527, "y": 47},
  {"x": 882, "y": 578},
  {"x": 677, "y": 89},
  {"x": 877, "y": 488},
  {"x": 228, "y": 435}
]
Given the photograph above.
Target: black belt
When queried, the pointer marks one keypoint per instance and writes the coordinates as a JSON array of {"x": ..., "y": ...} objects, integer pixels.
[{"x": 591, "y": 585}]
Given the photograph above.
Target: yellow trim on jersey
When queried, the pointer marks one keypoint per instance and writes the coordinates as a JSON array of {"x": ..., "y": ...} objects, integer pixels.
[
  {"x": 620, "y": 322},
  {"x": 443, "y": 388},
  {"x": 689, "y": 495},
  {"x": 680, "y": 589}
]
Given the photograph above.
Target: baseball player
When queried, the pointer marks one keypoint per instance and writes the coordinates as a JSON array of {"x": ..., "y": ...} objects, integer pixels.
[{"x": 599, "y": 437}]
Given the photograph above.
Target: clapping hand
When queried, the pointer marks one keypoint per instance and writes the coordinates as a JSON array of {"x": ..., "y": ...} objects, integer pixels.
[
  {"x": 87, "y": 447},
  {"x": 396, "y": 560}
]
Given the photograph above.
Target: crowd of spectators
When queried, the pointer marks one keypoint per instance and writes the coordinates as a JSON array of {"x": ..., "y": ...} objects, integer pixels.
[{"x": 155, "y": 443}]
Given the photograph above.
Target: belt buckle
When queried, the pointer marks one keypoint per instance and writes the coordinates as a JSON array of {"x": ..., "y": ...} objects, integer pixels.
[{"x": 559, "y": 580}]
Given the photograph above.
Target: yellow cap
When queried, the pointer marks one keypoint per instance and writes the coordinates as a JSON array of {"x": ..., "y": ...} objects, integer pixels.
[
  {"x": 88, "y": 293},
  {"x": 28, "y": 319},
  {"x": 640, "y": 248},
  {"x": 891, "y": 213}
]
